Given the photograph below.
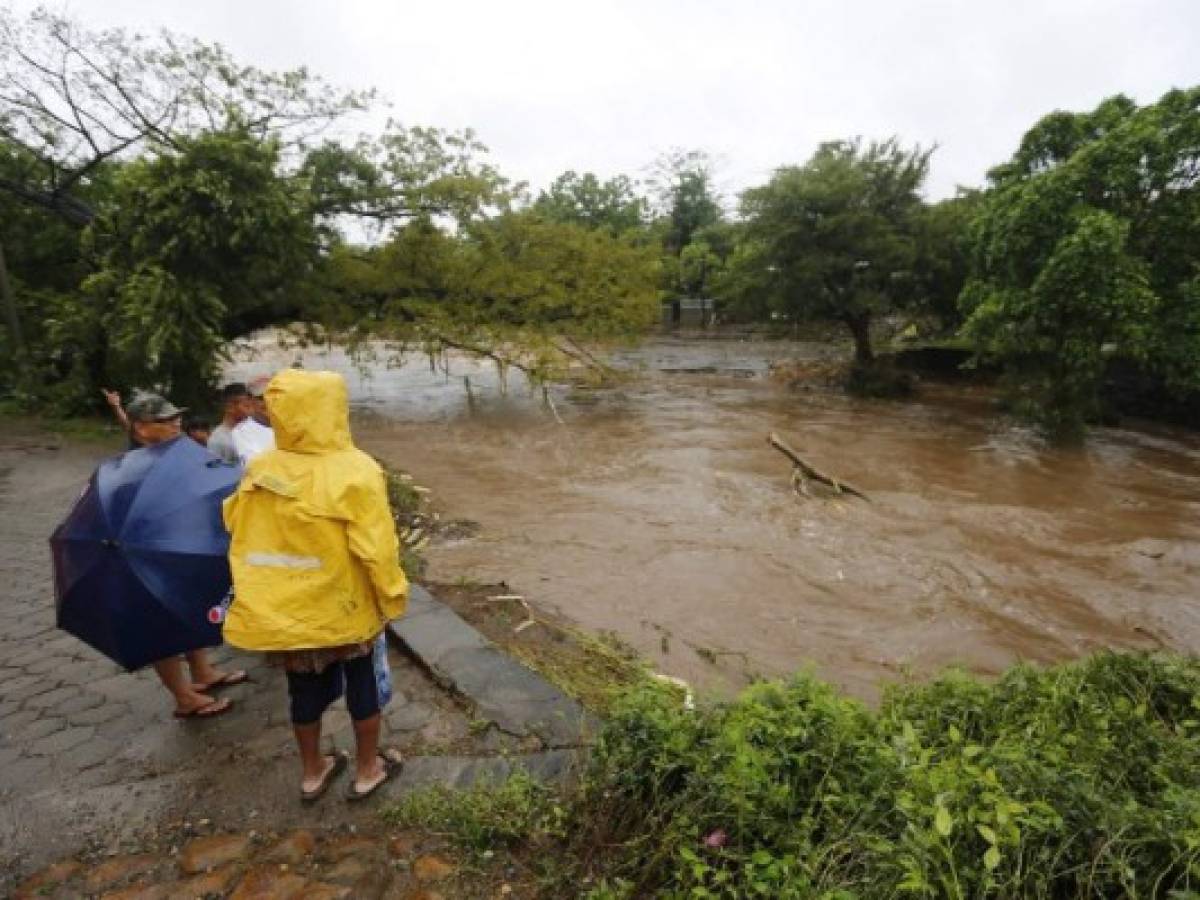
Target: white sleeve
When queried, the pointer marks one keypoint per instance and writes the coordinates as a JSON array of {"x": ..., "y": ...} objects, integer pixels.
[{"x": 250, "y": 439}]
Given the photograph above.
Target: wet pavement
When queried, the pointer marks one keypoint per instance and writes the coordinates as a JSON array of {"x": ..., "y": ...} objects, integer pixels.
[{"x": 90, "y": 755}]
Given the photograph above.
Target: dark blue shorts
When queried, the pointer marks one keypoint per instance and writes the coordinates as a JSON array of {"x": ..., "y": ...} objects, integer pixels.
[{"x": 311, "y": 693}]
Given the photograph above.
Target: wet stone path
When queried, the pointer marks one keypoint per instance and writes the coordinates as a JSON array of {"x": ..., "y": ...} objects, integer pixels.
[{"x": 90, "y": 755}]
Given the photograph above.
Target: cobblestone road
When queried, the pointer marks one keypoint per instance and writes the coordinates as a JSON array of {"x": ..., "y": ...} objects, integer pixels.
[
  {"x": 86, "y": 748},
  {"x": 91, "y": 757}
]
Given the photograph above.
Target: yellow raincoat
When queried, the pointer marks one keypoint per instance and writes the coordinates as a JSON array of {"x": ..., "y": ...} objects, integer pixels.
[{"x": 314, "y": 551}]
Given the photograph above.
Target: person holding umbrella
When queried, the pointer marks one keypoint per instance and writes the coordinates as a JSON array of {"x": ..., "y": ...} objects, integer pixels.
[
  {"x": 316, "y": 574},
  {"x": 140, "y": 565}
]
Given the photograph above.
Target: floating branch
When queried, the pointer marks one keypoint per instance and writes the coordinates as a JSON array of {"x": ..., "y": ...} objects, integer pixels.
[{"x": 805, "y": 470}]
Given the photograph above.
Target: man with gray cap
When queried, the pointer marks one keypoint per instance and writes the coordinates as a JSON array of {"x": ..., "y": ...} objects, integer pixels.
[{"x": 153, "y": 419}]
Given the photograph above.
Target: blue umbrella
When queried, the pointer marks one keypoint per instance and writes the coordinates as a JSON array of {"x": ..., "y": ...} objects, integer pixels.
[{"x": 141, "y": 570}]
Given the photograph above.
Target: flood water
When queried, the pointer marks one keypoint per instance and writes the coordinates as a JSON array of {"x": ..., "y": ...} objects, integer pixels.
[{"x": 657, "y": 510}]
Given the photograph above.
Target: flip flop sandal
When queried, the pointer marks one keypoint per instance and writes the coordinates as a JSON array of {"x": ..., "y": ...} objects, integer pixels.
[
  {"x": 393, "y": 762},
  {"x": 206, "y": 711},
  {"x": 340, "y": 759},
  {"x": 229, "y": 679}
]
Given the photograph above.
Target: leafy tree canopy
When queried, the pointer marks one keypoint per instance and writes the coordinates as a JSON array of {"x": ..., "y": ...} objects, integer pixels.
[
  {"x": 198, "y": 199},
  {"x": 517, "y": 288},
  {"x": 404, "y": 174},
  {"x": 942, "y": 236},
  {"x": 832, "y": 238},
  {"x": 613, "y": 205},
  {"x": 1089, "y": 241},
  {"x": 200, "y": 244}
]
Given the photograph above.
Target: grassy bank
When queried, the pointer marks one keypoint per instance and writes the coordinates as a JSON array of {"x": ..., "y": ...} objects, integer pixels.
[{"x": 1074, "y": 781}]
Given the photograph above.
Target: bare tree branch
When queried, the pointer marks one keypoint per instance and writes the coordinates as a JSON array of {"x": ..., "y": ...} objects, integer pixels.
[{"x": 75, "y": 99}]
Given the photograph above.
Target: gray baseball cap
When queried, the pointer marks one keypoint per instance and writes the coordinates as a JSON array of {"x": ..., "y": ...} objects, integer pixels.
[{"x": 149, "y": 407}]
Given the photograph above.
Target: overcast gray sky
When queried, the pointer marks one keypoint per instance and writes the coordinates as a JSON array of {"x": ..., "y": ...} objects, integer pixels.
[{"x": 551, "y": 85}]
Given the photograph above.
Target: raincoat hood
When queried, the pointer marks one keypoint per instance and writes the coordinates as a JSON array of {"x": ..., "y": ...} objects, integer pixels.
[{"x": 310, "y": 411}]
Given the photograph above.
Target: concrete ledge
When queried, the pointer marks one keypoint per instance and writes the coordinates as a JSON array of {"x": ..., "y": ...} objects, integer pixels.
[{"x": 518, "y": 700}]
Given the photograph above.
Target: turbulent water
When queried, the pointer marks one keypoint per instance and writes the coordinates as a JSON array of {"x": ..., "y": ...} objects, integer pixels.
[{"x": 657, "y": 510}]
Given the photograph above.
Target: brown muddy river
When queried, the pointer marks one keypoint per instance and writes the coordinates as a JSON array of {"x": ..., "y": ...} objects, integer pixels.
[{"x": 657, "y": 510}]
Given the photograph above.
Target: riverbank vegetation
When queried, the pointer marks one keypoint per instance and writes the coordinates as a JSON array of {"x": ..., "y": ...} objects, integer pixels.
[
  {"x": 159, "y": 199},
  {"x": 1072, "y": 781}
]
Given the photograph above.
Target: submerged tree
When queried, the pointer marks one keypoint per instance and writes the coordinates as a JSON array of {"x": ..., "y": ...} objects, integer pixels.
[
  {"x": 688, "y": 221},
  {"x": 831, "y": 239},
  {"x": 1088, "y": 243}
]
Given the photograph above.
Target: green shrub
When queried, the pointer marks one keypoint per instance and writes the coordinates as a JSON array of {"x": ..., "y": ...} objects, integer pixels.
[
  {"x": 403, "y": 497},
  {"x": 1079, "y": 780}
]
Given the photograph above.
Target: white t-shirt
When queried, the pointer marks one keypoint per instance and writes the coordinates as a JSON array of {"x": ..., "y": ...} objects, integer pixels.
[{"x": 250, "y": 439}]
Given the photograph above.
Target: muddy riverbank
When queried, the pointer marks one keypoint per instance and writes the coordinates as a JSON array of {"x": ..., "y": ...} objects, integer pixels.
[{"x": 656, "y": 510}]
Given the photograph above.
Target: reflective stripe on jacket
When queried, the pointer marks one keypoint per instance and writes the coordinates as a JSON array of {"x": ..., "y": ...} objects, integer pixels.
[{"x": 314, "y": 553}]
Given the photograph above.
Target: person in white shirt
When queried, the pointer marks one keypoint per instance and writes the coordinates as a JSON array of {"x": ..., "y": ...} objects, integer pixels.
[
  {"x": 236, "y": 407},
  {"x": 251, "y": 439},
  {"x": 253, "y": 435}
]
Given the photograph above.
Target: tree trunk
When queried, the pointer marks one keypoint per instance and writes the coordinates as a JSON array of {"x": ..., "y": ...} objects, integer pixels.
[
  {"x": 860, "y": 330},
  {"x": 9, "y": 302}
]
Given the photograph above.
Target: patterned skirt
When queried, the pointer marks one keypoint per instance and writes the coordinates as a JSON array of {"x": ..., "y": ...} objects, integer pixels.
[{"x": 318, "y": 659}]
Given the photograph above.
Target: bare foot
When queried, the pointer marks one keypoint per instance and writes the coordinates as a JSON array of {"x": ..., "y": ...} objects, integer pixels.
[
  {"x": 385, "y": 764},
  {"x": 213, "y": 678},
  {"x": 311, "y": 783},
  {"x": 203, "y": 710},
  {"x": 313, "y": 788},
  {"x": 367, "y": 781}
]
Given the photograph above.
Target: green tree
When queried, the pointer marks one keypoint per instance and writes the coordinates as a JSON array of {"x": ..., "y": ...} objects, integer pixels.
[
  {"x": 44, "y": 267},
  {"x": 404, "y": 174},
  {"x": 613, "y": 205},
  {"x": 75, "y": 107},
  {"x": 202, "y": 203},
  {"x": 515, "y": 288},
  {"x": 1087, "y": 242},
  {"x": 75, "y": 99},
  {"x": 202, "y": 244},
  {"x": 686, "y": 196},
  {"x": 940, "y": 267},
  {"x": 831, "y": 239}
]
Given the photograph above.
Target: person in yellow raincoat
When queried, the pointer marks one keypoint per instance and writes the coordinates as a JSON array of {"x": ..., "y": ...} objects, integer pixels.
[{"x": 316, "y": 572}]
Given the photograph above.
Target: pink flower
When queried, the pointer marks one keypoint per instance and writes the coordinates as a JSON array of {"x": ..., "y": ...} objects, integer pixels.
[{"x": 716, "y": 840}]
